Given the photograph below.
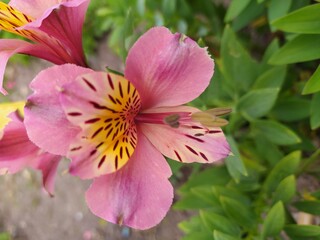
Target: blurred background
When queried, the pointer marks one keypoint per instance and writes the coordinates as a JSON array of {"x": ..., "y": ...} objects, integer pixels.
[{"x": 267, "y": 70}]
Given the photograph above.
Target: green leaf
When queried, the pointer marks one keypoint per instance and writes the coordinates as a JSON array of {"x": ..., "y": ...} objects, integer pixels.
[
  {"x": 191, "y": 201},
  {"x": 268, "y": 150},
  {"x": 238, "y": 67},
  {"x": 304, "y": 20},
  {"x": 198, "y": 235},
  {"x": 272, "y": 78},
  {"x": 313, "y": 84},
  {"x": 274, "y": 221},
  {"x": 218, "y": 222},
  {"x": 312, "y": 207},
  {"x": 206, "y": 194},
  {"x": 275, "y": 132},
  {"x": 234, "y": 163},
  {"x": 240, "y": 213},
  {"x": 252, "y": 11},
  {"x": 315, "y": 111},
  {"x": 257, "y": 103},
  {"x": 302, "y": 230},
  {"x": 285, "y": 190},
  {"x": 278, "y": 9},
  {"x": 193, "y": 224},
  {"x": 300, "y": 49},
  {"x": 291, "y": 109},
  {"x": 272, "y": 48},
  {"x": 235, "y": 8},
  {"x": 208, "y": 177},
  {"x": 284, "y": 168},
  {"x": 222, "y": 236}
]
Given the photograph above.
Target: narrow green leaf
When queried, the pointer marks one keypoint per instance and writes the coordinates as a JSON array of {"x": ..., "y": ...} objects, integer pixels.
[
  {"x": 234, "y": 163},
  {"x": 215, "y": 221},
  {"x": 313, "y": 84},
  {"x": 257, "y": 103},
  {"x": 273, "y": 78},
  {"x": 274, "y": 221},
  {"x": 191, "y": 201},
  {"x": 194, "y": 224},
  {"x": 222, "y": 236},
  {"x": 251, "y": 12},
  {"x": 204, "y": 235},
  {"x": 312, "y": 207},
  {"x": 271, "y": 49},
  {"x": 208, "y": 177},
  {"x": 275, "y": 132},
  {"x": 206, "y": 194},
  {"x": 304, "y": 20},
  {"x": 300, "y": 49},
  {"x": 284, "y": 168},
  {"x": 278, "y": 9},
  {"x": 302, "y": 230},
  {"x": 238, "y": 68},
  {"x": 286, "y": 189},
  {"x": 235, "y": 8},
  {"x": 291, "y": 109},
  {"x": 238, "y": 212},
  {"x": 268, "y": 150},
  {"x": 315, "y": 111}
]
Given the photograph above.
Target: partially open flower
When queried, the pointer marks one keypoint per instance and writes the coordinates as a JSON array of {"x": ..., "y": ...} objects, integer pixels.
[
  {"x": 117, "y": 129},
  {"x": 53, "y": 27},
  {"x": 18, "y": 152}
]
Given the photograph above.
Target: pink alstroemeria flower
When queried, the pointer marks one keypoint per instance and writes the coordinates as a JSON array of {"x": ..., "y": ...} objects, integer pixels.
[
  {"x": 53, "y": 26},
  {"x": 17, "y": 153},
  {"x": 115, "y": 129}
]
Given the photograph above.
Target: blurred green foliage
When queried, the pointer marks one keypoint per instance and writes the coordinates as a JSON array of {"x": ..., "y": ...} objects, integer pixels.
[{"x": 266, "y": 54}]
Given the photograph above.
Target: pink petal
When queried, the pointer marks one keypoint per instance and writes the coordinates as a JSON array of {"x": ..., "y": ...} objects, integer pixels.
[
  {"x": 64, "y": 22},
  {"x": 45, "y": 120},
  {"x": 9, "y": 47},
  {"x": 48, "y": 165},
  {"x": 138, "y": 195},
  {"x": 33, "y": 8},
  {"x": 104, "y": 106},
  {"x": 168, "y": 69},
  {"x": 190, "y": 142},
  {"x": 18, "y": 152}
]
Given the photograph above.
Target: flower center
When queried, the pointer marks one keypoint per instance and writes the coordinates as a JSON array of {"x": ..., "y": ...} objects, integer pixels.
[{"x": 11, "y": 19}]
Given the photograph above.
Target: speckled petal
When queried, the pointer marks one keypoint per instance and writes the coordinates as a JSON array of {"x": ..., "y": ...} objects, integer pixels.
[
  {"x": 168, "y": 69},
  {"x": 45, "y": 120},
  {"x": 104, "y": 106},
  {"x": 190, "y": 142}
]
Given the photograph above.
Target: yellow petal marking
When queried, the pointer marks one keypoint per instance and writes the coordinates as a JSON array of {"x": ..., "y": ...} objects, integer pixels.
[
  {"x": 111, "y": 130},
  {"x": 11, "y": 19},
  {"x": 7, "y": 108}
]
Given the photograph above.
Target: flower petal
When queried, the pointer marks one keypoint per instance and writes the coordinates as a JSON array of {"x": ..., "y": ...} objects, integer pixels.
[
  {"x": 104, "y": 106},
  {"x": 45, "y": 120},
  {"x": 18, "y": 152},
  {"x": 190, "y": 142},
  {"x": 64, "y": 22},
  {"x": 168, "y": 69},
  {"x": 138, "y": 195},
  {"x": 34, "y": 8}
]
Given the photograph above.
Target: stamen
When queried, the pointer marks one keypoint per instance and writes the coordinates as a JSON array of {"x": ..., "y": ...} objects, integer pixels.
[
  {"x": 210, "y": 117},
  {"x": 172, "y": 120}
]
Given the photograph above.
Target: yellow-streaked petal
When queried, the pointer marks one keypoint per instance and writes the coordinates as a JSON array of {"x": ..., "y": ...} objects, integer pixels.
[{"x": 11, "y": 19}]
